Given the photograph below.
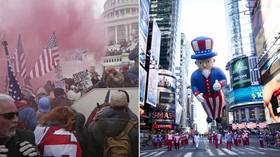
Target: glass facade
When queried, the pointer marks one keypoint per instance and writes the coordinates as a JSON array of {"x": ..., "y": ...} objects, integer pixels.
[{"x": 165, "y": 12}]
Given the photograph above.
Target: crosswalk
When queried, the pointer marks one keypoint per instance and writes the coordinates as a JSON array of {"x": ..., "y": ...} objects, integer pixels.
[{"x": 235, "y": 151}]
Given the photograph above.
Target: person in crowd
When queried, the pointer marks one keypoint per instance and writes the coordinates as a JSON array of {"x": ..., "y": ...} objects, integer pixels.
[
  {"x": 59, "y": 98},
  {"x": 261, "y": 138},
  {"x": 44, "y": 106},
  {"x": 235, "y": 138},
  {"x": 114, "y": 78},
  {"x": 177, "y": 139},
  {"x": 114, "y": 123},
  {"x": 215, "y": 138},
  {"x": 169, "y": 139},
  {"x": 220, "y": 138},
  {"x": 228, "y": 139},
  {"x": 54, "y": 134},
  {"x": 196, "y": 140},
  {"x": 73, "y": 94},
  {"x": 14, "y": 142}
]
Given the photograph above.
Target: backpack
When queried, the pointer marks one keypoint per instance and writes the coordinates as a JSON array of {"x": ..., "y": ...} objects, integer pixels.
[{"x": 119, "y": 146}]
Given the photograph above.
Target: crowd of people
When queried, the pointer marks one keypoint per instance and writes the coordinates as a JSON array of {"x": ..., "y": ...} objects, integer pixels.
[
  {"x": 46, "y": 125},
  {"x": 227, "y": 138}
]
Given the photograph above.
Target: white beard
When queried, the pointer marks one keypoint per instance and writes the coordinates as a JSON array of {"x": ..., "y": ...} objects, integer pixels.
[{"x": 206, "y": 72}]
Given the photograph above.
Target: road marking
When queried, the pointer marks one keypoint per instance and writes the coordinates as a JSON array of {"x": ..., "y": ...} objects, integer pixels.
[
  {"x": 271, "y": 149},
  {"x": 209, "y": 152},
  {"x": 188, "y": 154},
  {"x": 258, "y": 152},
  {"x": 151, "y": 154},
  {"x": 220, "y": 152},
  {"x": 229, "y": 151},
  {"x": 143, "y": 153},
  {"x": 238, "y": 150},
  {"x": 158, "y": 154}
]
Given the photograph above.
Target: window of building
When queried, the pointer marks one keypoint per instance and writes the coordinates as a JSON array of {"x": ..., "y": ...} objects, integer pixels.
[{"x": 121, "y": 32}]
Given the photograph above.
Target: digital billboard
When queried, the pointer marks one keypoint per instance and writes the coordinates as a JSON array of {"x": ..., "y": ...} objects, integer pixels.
[
  {"x": 247, "y": 94},
  {"x": 240, "y": 73}
]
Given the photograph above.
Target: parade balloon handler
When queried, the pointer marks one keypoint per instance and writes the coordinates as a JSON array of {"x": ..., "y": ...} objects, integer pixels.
[{"x": 207, "y": 81}]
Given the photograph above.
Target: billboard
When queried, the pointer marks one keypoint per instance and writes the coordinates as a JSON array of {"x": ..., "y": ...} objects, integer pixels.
[
  {"x": 240, "y": 73},
  {"x": 144, "y": 26},
  {"x": 167, "y": 81},
  {"x": 142, "y": 82},
  {"x": 271, "y": 97},
  {"x": 153, "y": 66},
  {"x": 247, "y": 94}
]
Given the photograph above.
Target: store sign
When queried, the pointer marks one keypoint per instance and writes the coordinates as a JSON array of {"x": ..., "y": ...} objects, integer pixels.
[
  {"x": 163, "y": 126},
  {"x": 240, "y": 73},
  {"x": 163, "y": 115}
]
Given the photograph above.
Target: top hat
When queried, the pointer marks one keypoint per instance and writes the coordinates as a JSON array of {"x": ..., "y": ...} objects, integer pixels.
[{"x": 202, "y": 47}]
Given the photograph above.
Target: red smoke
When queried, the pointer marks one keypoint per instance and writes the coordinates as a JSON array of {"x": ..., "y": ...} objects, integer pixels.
[{"x": 73, "y": 21}]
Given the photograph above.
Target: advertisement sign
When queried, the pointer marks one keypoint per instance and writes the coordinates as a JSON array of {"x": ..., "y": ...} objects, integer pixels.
[
  {"x": 154, "y": 62},
  {"x": 271, "y": 92},
  {"x": 240, "y": 73},
  {"x": 166, "y": 97},
  {"x": 143, "y": 30},
  {"x": 248, "y": 94},
  {"x": 142, "y": 86},
  {"x": 167, "y": 81}
]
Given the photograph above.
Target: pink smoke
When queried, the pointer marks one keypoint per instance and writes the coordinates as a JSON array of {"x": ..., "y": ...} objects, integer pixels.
[{"x": 73, "y": 21}]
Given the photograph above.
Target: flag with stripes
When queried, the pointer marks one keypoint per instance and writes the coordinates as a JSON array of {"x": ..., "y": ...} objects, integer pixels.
[
  {"x": 19, "y": 59},
  {"x": 48, "y": 60},
  {"x": 14, "y": 88}
]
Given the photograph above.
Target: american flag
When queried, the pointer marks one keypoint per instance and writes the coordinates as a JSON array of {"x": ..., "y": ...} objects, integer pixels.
[
  {"x": 48, "y": 60},
  {"x": 19, "y": 59},
  {"x": 14, "y": 89}
]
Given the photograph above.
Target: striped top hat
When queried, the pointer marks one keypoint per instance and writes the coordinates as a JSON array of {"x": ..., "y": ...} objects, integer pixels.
[{"x": 202, "y": 47}]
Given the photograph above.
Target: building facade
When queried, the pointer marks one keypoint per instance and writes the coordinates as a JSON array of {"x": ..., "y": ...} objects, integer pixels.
[
  {"x": 266, "y": 33},
  {"x": 245, "y": 91},
  {"x": 121, "y": 22}
]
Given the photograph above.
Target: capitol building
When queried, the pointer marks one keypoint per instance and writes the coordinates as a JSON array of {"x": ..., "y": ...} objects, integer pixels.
[{"x": 121, "y": 22}]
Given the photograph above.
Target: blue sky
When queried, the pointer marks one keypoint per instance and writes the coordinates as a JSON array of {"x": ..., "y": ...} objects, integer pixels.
[{"x": 206, "y": 18}]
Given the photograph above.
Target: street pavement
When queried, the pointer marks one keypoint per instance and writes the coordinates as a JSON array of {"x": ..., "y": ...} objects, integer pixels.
[{"x": 205, "y": 149}]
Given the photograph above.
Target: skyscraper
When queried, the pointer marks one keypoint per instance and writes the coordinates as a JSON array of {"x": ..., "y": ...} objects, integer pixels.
[{"x": 166, "y": 13}]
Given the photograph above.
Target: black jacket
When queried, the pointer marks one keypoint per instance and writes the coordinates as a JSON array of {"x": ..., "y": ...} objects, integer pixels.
[
  {"x": 110, "y": 123},
  {"x": 13, "y": 143}
]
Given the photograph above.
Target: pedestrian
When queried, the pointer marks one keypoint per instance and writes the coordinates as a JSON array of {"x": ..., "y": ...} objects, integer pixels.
[
  {"x": 196, "y": 139},
  {"x": 261, "y": 139},
  {"x": 228, "y": 139},
  {"x": 215, "y": 138},
  {"x": 14, "y": 142},
  {"x": 235, "y": 138},
  {"x": 220, "y": 138},
  {"x": 177, "y": 139}
]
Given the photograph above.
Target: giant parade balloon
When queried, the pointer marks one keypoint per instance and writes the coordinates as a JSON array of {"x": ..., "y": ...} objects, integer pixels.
[{"x": 207, "y": 81}]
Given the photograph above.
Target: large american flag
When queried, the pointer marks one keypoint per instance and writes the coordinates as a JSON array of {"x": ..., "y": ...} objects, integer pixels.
[
  {"x": 48, "y": 60},
  {"x": 14, "y": 89},
  {"x": 19, "y": 59}
]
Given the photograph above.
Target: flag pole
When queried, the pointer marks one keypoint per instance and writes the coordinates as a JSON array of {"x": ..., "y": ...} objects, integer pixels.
[{"x": 5, "y": 46}]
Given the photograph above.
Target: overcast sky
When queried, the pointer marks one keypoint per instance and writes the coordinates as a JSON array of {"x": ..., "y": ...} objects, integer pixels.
[{"x": 206, "y": 18}]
